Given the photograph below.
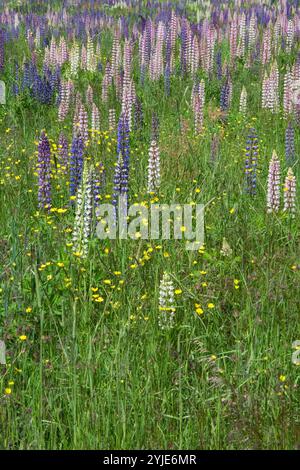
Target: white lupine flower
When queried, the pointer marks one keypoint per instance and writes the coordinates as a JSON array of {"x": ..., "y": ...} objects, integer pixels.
[
  {"x": 83, "y": 215},
  {"x": 273, "y": 194},
  {"x": 153, "y": 168},
  {"x": 290, "y": 192},
  {"x": 112, "y": 119},
  {"x": 74, "y": 59},
  {"x": 166, "y": 303},
  {"x": 243, "y": 101},
  {"x": 95, "y": 118}
]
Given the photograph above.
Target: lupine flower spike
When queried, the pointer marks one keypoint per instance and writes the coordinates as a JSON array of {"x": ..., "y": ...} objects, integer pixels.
[
  {"x": 166, "y": 303},
  {"x": 273, "y": 194},
  {"x": 289, "y": 194}
]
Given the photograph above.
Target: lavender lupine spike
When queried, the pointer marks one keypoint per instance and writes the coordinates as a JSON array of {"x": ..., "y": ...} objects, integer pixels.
[
  {"x": 289, "y": 193},
  {"x": 153, "y": 168},
  {"x": 122, "y": 169},
  {"x": 83, "y": 216},
  {"x": 251, "y": 162},
  {"x": 290, "y": 144},
  {"x": 120, "y": 180},
  {"x": 225, "y": 97},
  {"x": 65, "y": 95},
  {"x": 273, "y": 193},
  {"x": 63, "y": 152},
  {"x": 44, "y": 172},
  {"x": 266, "y": 49},
  {"x": 76, "y": 163},
  {"x": 123, "y": 145}
]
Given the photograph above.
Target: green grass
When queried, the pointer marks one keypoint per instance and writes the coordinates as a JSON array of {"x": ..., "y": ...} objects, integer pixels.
[{"x": 104, "y": 375}]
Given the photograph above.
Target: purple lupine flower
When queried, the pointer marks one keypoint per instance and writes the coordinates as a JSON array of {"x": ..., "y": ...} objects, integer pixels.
[
  {"x": 251, "y": 162},
  {"x": 219, "y": 65},
  {"x": 184, "y": 45},
  {"x": 15, "y": 87},
  {"x": 273, "y": 194},
  {"x": 76, "y": 163},
  {"x": 122, "y": 169},
  {"x": 290, "y": 144},
  {"x": 123, "y": 145},
  {"x": 44, "y": 172},
  {"x": 225, "y": 97},
  {"x": 120, "y": 180}
]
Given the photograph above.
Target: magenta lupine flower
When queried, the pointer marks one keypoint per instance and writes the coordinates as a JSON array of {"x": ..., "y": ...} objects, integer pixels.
[
  {"x": 44, "y": 172},
  {"x": 273, "y": 194},
  {"x": 289, "y": 194}
]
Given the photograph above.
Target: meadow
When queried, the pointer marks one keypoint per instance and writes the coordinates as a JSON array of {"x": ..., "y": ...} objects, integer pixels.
[{"x": 143, "y": 344}]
